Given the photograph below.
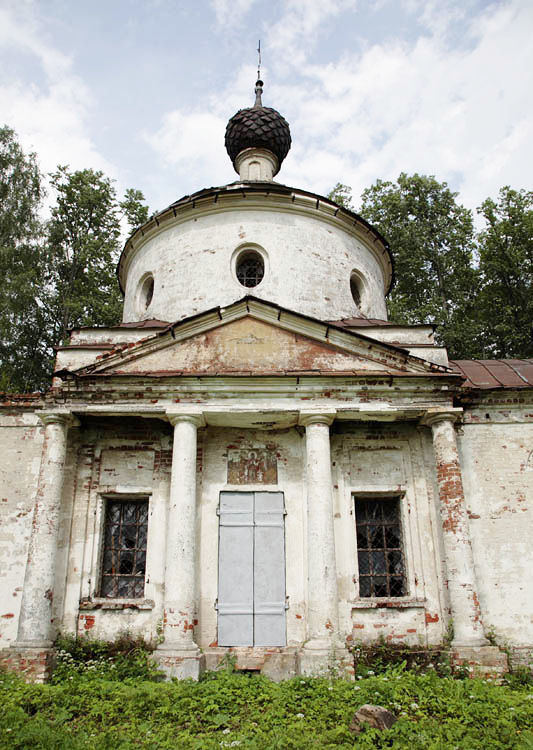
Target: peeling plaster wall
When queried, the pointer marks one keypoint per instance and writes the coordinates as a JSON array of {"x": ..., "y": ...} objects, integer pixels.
[
  {"x": 376, "y": 460},
  {"x": 308, "y": 266},
  {"x": 130, "y": 458},
  {"x": 496, "y": 447},
  {"x": 21, "y": 437}
]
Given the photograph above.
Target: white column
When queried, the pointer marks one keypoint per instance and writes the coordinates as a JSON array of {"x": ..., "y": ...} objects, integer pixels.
[
  {"x": 322, "y": 609},
  {"x": 180, "y": 574},
  {"x": 461, "y": 576},
  {"x": 35, "y": 621}
]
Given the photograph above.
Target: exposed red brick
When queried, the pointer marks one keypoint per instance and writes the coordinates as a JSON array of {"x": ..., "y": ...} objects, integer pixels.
[{"x": 89, "y": 621}]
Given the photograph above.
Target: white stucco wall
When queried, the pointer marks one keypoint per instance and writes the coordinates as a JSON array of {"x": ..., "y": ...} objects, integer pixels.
[
  {"x": 496, "y": 448},
  {"x": 21, "y": 437},
  {"x": 309, "y": 259}
]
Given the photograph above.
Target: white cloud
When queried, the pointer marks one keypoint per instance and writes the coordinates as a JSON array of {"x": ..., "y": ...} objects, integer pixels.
[
  {"x": 296, "y": 31},
  {"x": 231, "y": 12},
  {"x": 463, "y": 114},
  {"x": 49, "y": 106},
  {"x": 194, "y": 141},
  {"x": 453, "y": 101}
]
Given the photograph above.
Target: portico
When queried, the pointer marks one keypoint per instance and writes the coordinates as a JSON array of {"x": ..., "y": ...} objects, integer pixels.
[{"x": 210, "y": 446}]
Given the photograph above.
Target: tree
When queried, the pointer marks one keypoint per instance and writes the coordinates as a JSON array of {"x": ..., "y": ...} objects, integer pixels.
[
  {"x": 82, "y": 239},
  {"x": 82, "y": 250},
  {"x": 132, "y": 208},
  {"x": 57, "y": 275},
  {"x": 341, "y": 194},
  {"x": 433, "y": 243},
  {"x": 21, "y": 257},
  {"x": 506, "y": 265}
]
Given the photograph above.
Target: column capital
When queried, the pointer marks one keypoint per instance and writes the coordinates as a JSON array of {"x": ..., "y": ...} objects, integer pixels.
[
  {"x": 322, "y": 416},
  {"x": 434, "y": 415},
  {"x": 61, "y": 416},
  {"x": 190, "y": 416}
]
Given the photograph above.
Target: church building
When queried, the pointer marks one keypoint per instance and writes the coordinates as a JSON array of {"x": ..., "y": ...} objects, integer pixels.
[{"x": 256, "y": 461}]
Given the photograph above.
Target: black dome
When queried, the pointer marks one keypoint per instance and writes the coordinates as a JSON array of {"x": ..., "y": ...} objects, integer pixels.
[{"x": 258, "y": 127}]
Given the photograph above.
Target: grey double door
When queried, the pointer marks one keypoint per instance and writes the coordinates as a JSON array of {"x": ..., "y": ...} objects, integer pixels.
[{"x": 251, "y": 569}]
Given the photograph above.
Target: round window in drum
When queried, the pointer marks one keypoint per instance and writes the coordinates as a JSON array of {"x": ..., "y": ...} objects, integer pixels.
[{"x": 250, "y": 269}]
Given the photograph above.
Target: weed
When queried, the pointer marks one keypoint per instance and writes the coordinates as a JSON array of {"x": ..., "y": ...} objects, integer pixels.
[
  {"x": 229, "y": 709},
  {"x": 122, "y": 659},
  {"x": 378, "y": 657}
]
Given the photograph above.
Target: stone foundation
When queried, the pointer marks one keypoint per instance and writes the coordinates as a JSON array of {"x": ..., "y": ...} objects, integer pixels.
[
  {"x": 521, "y": 656},
  {"x": 276, "y": 663},
  {"x": 181, "y": 664},
  {"x": 317, "y": 663},
  {"x": 32, "y": 664},
  {"x": 484, "y": 661}
]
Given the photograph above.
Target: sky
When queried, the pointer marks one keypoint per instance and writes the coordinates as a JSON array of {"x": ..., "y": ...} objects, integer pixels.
[{"x": 143, "y": 89}]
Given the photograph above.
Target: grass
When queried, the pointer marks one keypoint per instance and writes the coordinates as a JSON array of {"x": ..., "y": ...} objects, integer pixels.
[{"x": 226, "y": 709}]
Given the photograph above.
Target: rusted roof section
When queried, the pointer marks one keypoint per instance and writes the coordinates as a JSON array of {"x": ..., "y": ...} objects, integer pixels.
[
  {"x": 359, "y": 322},
  {"x": 487, "y": 374},
  {"x": 375, "y": 322},
  {"x": 152, "y": 323},
  {"x": 20, "y": 399},
  {"x": 84, "y": 346}
]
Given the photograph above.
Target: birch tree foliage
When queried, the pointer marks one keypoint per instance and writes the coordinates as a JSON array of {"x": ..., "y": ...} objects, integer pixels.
[
  {"x": 58, "y": 274},
  {"x": 83, "y": 247},
  {"x": 22, "y": 317}
]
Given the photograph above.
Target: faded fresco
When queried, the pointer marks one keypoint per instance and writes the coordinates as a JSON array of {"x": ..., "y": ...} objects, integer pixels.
[{"x": 252, "y": 466}]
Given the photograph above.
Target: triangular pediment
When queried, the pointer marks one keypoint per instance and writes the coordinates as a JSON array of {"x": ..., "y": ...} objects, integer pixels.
[{"x": 257, "y": 338}]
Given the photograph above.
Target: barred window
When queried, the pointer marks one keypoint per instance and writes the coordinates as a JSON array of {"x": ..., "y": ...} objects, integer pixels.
[
  {"x": 124, "y": 553},
  {"x": 250, "y": 269},
  {"x": 379, "y": 547}
]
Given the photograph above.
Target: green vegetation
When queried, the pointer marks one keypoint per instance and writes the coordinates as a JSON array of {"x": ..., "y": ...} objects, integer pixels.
[
  {"x": 477, "y": 286},
  {"x": 126, "y": 658},
  {"x": 60, "y": 273},
  {"x": 109, "y": 697}
]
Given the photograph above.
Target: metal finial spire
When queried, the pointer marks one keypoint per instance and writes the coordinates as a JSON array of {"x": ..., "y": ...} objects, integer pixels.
[{"x": 259, "y": 83}]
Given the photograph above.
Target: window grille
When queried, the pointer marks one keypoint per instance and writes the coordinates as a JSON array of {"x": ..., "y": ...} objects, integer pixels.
[
  {"x": 250, "y": 269},
  {"x": 124, "y": 554},
  {"x": 379, "y": 547}
]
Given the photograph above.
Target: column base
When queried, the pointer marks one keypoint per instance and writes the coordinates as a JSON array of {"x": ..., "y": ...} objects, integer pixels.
[
  {"x": 34, "y": 663},
  {"x": 180, "y": 663},
  {"x": 315, "y": 661},
  {"x": 483, "y": 661}
]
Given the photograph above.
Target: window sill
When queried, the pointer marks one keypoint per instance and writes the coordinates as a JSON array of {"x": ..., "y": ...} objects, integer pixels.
[
  {"x": 388, "y": 604},
  {"x": 116, "y": 604}
]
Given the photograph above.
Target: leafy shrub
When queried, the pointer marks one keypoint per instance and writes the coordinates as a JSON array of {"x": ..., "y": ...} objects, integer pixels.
[
  {"x": 228, "y": 709},
  {"x": 122, "y": 659}
]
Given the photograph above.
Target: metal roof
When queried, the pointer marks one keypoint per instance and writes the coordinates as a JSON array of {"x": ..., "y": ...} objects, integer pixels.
[
  {"x": 152, "y": 323},
  {"x": 488, "y": 374},
  {"x": 360, "y": 322}
]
